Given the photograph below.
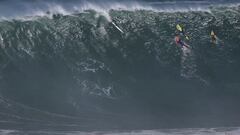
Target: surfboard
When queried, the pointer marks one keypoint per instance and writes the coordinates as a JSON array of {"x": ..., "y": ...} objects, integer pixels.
[
  {"x": 179, "y": 28},
  {"x": 117, "y": 27}
]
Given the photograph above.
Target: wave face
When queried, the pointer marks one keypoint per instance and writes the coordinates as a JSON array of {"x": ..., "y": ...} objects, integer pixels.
[{"x": 80, "y": 72}]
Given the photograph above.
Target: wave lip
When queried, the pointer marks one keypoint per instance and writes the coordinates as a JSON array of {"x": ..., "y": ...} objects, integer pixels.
[
  {"x": 201, "y": 131},
  {"x": 19, "y": 9}
]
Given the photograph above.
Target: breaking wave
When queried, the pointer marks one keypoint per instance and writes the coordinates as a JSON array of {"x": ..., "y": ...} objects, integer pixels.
[{"x": 119, "y": 69}]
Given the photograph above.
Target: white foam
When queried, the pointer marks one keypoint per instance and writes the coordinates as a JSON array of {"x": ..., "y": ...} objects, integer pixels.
[
  {"x": 48, "y": 9},
  {"x": 200, "y": 131},
  {"x": 6, "y": 132},
  {"x": 194, "y": 131}
]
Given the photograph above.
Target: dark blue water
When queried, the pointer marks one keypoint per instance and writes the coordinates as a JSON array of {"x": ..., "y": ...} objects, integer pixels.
[{"x": 67, "y": 66}]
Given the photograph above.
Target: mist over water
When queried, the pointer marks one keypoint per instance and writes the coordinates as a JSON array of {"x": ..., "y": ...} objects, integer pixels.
[
  {"x": 114, "y": 65},
  {"x": 22, "y": 8}
]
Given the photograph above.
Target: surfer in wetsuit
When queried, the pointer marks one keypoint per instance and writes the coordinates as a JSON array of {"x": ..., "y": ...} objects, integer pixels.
[
  {"x": 180, "y": 42},
  {"x": 213, "y": 37}
]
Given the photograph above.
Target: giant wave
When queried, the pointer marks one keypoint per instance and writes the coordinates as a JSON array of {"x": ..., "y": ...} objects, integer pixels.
[{"x": 77, "y": 71}]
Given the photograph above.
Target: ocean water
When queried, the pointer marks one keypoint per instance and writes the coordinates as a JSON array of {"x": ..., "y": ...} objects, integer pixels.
[{"x": 112, "y": 67}]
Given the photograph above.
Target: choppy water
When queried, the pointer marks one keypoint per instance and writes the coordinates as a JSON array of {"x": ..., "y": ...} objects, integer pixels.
[{"x": 77, "y": 70}]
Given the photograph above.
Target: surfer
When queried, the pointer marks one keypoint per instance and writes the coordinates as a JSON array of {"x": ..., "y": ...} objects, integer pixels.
[
  {"x": 180, "y": 29},
  {"x": 213, "y": 37},
  {"x": 180, "y": 42}
]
